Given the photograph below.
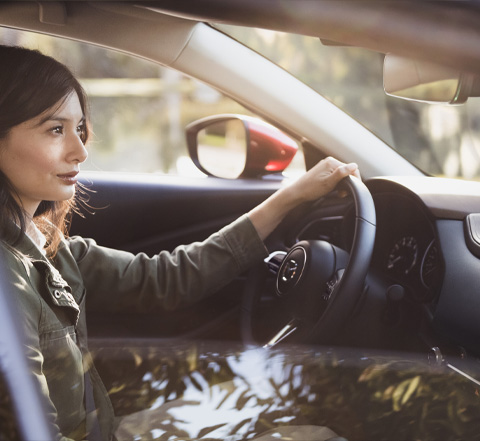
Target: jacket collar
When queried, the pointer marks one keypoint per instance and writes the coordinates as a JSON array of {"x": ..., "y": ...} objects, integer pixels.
[
  {"x": 58, "y": 291},
  {"x": 25, "y": 245}
]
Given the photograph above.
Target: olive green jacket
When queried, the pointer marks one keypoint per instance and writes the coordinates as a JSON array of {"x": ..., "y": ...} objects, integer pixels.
[{"x": 51, "y": 298}]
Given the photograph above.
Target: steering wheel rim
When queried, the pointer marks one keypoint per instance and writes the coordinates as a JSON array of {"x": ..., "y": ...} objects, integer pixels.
[{"x": 343, "y": 285}]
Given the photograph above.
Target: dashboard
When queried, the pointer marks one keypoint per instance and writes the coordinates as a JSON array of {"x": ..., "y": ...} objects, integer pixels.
[
  {"x": 406, "y": 250},
  {"x": 427, "y": 243}
]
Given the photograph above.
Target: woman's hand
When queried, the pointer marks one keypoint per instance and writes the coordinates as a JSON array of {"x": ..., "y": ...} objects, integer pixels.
[
  {"x": 317, "y": 182},
  {"x": 321, "y": 179}
]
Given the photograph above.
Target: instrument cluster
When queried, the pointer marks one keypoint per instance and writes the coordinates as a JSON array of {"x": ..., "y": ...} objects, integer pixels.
[{"x": 405, "y": 248}]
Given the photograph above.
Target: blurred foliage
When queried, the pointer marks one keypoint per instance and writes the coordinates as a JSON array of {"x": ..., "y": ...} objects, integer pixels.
[
  {"x": 439, "y": 139},
  {"x": 358, "y": 397}
]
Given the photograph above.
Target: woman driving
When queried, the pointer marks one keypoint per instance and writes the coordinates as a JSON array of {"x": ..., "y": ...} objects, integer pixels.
[{"x": 44, "y": 129}]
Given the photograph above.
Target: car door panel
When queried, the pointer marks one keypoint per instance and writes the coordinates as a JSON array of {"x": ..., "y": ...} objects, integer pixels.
[{"x": 144, "y": 213}]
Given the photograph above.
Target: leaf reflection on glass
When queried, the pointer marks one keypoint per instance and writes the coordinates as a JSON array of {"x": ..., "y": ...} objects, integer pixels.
[{"x": 194, "y": 392}]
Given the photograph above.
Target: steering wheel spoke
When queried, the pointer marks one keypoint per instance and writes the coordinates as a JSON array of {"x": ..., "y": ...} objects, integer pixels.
[
  {"x": 286, "y": 331},
  {"x": 274, "y": 261}
]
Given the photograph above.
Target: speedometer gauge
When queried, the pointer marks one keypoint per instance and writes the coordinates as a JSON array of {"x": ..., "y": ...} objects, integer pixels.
[{"x": 403, "y": 256}]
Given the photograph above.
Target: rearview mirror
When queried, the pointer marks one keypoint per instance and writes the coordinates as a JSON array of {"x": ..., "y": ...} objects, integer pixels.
[
  {"x": 233, "y": 146},
  {"x": 424, "y": 81}
]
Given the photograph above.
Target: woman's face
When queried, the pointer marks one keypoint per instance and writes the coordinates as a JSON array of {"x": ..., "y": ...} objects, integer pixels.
[{"x": 41, "y": 157}]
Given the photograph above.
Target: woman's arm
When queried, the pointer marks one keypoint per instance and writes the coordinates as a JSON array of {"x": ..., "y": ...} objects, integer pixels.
[
  {"x": 317, "y": 182},
  {"x": 119, "y": 281}
]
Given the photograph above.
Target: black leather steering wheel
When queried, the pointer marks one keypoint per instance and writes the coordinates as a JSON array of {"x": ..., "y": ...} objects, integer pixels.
[{"x": 317, "y": 283}]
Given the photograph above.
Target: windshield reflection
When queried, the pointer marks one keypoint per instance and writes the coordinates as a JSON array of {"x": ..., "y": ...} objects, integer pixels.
[{"x": 216, "y": 391}]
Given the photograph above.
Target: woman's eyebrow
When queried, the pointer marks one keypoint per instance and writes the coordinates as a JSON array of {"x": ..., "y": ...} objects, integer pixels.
[{"x": 57, "y": 118}]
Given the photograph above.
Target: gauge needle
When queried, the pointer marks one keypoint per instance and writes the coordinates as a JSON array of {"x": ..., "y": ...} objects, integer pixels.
[{"x": 394, "y": 261}]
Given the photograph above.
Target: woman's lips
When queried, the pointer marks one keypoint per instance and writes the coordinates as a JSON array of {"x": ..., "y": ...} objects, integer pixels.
[{"x": 69, "y": 178}]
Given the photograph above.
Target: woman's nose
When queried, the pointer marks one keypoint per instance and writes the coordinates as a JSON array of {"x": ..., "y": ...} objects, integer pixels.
[{"x": 76, "y": 149}]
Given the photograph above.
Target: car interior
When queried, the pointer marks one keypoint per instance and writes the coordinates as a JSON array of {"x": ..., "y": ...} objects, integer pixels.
[{"x": 390, "y": 264}]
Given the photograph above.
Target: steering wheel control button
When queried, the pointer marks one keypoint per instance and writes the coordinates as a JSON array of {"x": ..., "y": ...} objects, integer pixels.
[
  {"x": 291, "y": 270},
  {"x": 332, "y": 284},
  {"x": 329, "y": 289}
]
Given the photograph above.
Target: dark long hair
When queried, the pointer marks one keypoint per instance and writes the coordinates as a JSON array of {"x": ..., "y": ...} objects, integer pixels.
[{"x": 30, "y": 84}]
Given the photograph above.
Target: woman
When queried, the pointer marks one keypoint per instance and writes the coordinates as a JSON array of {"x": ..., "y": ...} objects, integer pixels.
[{"x": 44, "y": 129}]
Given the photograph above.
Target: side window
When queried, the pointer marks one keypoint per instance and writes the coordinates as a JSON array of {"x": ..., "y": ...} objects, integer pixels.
[{"x": 138, "y": 108}]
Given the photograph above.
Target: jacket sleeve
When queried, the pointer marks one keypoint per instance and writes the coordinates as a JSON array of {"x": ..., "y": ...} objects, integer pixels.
[
  {"x": 116, "y": 280},
  {"x": 29, "y": 307}
]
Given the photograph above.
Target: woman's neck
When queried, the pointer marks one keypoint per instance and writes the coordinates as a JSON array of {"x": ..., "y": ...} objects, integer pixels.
[{"x": 35, "y": 235}]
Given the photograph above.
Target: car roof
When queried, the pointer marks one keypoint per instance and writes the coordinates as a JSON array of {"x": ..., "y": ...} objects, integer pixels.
[
  {"x": 447, "y": 32},
  {"x": 442, "y": 31}
]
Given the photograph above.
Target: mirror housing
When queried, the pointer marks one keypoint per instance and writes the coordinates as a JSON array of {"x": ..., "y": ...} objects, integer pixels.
[
  {"x": 238, "y": 146},
  {"x": 424, "y": 81}
]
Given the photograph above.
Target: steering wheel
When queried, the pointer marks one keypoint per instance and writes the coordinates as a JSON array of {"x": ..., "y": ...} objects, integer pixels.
[{"x": 317, "y": 283}]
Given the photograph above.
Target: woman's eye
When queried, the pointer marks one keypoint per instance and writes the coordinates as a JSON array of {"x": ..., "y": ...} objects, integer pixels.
[
  {"x": 57, "y": 130},
  {"x": 82, "y": 132}
]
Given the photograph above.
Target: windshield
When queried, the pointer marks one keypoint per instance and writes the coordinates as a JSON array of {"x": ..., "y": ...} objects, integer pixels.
[{"x": 441, "y": 140}]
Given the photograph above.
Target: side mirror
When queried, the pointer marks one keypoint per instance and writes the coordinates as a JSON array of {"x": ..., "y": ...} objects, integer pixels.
[
  {"x": 424, "y": 81},
  {"x": 233, "y": 146}
]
